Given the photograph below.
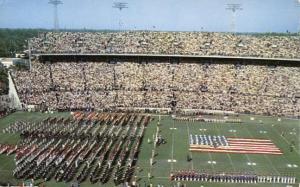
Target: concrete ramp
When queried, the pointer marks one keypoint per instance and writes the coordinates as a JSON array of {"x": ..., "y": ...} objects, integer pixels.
[{"x": 13, "y": 95}]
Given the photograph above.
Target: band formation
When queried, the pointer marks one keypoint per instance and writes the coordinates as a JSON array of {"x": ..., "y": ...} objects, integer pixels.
[
  {"x": 230, "y": 178},
  {"x": 98, "y": 147}
]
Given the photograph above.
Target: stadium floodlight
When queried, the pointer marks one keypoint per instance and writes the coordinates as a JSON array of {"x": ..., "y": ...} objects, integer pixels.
[
  {"x": 298, "y": 6},
  {"x": 233, "y": 8},
  {"x": 120, "y": 6},
  {"x": 55, "y": 4}
]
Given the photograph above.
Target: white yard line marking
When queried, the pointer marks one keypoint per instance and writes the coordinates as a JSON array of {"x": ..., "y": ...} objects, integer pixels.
[
  {"x": 251, "y": 163},
  {"x": 282, "y": 137},
  {"x": 172, "y": 146},
  {"x": 210, "y": 157},
  {"x": 262, "y": 132},
  {"x": 267, "y": 158},
  {"x": 228, "y": 155},
  {"x": 246, "y": 155},
  {"x": 292, "y": 165},
  {"x": 298, "y": 138},
  {"x": 154, "y": 149},
  {"x": 188, "y": 131},
  {"x": 283, "y": 154}
]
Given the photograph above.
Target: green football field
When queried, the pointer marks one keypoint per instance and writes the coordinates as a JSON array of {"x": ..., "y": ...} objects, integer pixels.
[{"x": 176, "y": 134}]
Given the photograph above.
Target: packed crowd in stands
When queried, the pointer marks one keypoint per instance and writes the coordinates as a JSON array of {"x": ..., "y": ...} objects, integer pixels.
[
  {"x": 259, "y": 89},
  {"x": 185, "y": 43}
]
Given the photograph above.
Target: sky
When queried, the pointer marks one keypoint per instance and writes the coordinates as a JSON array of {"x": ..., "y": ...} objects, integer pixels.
[{"x": 164, "y": 15}]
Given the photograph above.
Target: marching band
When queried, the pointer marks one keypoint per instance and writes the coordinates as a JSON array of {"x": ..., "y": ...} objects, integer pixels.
[{"x": 98, "y": 146}]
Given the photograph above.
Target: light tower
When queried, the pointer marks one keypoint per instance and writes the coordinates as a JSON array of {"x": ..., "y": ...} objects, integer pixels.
[
  {"x": 55, "y": 4},
  {"x": 298, "y": 6},
  {"x": 120, "y": 6},
  {"x": 233, "y": 8}
]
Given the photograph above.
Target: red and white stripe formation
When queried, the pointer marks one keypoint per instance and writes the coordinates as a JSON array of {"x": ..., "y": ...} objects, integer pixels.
[{"x": 242, "y": 146}]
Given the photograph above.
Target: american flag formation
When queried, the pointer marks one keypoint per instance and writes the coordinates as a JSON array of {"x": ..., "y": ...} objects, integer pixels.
[{"x": 222, "y": 144}]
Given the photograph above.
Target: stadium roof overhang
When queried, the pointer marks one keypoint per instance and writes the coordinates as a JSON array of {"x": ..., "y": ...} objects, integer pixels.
[{"x": 178, "y": 58}]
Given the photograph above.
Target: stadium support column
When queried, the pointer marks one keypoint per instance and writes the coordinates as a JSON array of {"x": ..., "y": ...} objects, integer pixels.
[
  {"x": 145, "y": 88},
  {"x": 84, "y": 75},
  {"x": 115, "y": 86},
  {"x": 50, "y": 73},
  {"x": 173, "y": 102}
]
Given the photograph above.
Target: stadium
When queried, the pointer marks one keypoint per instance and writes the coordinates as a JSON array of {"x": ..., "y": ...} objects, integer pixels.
[{"x": 152, "y": 108}]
